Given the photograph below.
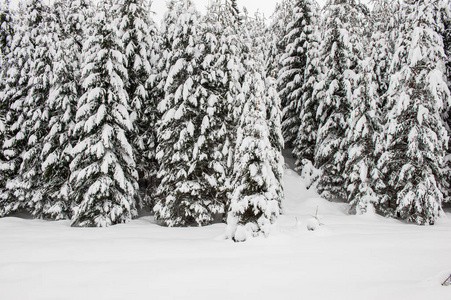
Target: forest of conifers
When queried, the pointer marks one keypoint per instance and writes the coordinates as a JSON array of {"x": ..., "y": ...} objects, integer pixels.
[{"x": 104, "y": 113}]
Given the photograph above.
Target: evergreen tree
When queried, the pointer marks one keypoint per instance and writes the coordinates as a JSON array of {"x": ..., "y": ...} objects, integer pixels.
[
  {"x": 304, "y": 145},
  {"x": 385, "y": 19},
  {"x": 137, "y": 32},
  {"x": 228, "y": 8},
  {"x": 257, "y": 190},
  {"x": 414, "y": 134},
  {"x": 15, "y": 80},
  {"x": 6, "y": 30},
  {"x": 281, "y": 20},
  {"x": 274, "y": 121},
  {"x": 70, "y": 17},
  {"x": 25, "y": 93},
  {"x": 255, "y": 54},
  {"x": 255, "y": 202},
  {"x": 103, "y": 173},
  {"x": 253, "y": 34},
  {"x": 221, "y": 73},
  {"x": 181, "y": 132},
  {"x": 340, "y": 51},
  {"x": 363, "y": 176},
  {"x": 6, "y": 36},
  {"x": 155, "y": 89},
  {"x": 292, "y": 80},
  {"x": 36, "y": 112},
  {"x": 234, "y": 10},
  {"x": 6, "y": 39}
]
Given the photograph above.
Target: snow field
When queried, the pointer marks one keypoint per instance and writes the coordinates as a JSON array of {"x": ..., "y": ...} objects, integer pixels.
[{"x": 349, "y": 257}]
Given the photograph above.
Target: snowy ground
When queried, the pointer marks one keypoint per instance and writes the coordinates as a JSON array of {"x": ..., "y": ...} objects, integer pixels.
[{"x": 350, "y": 257}]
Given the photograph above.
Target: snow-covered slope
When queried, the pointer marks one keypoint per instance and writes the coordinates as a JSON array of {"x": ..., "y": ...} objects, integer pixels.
[{"x": 349, "y": 257}]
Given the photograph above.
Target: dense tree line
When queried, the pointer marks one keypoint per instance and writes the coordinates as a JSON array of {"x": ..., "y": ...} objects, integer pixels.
[
  {"x": 104, "y": 113},
  {"x": 366, "y": 103}
]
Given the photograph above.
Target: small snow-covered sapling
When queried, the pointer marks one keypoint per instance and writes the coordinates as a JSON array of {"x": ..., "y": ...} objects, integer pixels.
[{"x": 314, "y": 222}]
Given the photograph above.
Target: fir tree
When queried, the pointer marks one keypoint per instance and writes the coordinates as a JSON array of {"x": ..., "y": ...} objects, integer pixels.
[
  {"x": 103, "y": 173},
  {"x": 274, "y": 121},
  {"x": 15, "y": 80},
  {"x": 6, "y": 29},
  {"x": 234, "y": 10},
  {"x": 6, "y": 37},
  {"x": 221, "y": 71},
  {"x": 137, "y": 32},
  {"x": 257, "y": 190},
  {"x": 155, "y": 90},
  {"x": 255, "y": 202},
  {"x": 255, "y": 63},
  {"x": 275, "y": 34},
  {"x": 36, "y": 112},
  {"x": 65, "y": 91},
  {"x": 414, "y": 134},
  {"x": 292, "y": 80},
  {"x": 385, "y": 19},
  {"x": 340, "y": 52},
  {"x": 304, "y": 145},
  {"x": 25, "y": 93},
  {"x": 363, "y": 176},
  {"x": 181, "y": 132}
]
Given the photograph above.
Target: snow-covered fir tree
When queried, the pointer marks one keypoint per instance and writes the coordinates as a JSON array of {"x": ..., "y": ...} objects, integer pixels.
[
  {"x": 292, "y": 80},
  {"x": 234, "y": 10},
  {"x": 6, "y": 29},
  {"x": 253, "y": 33},
  {"x": 26, "y": 91},
  {"x": 414, "y": 133},
  {"x": 274, "y": 121},
  {"x": 181, "y": 198},
  {"x": 6, "y": 37},
  {"x": 221, "y": 73},
  {"x": 385, "y": 21},
  {"x": 340, "y": 51},
  {"x": 257, "y": 190},
  {"x": 275, "y": 34},
  {"x": 304, "y": 145},
  {"x": 155, "y": 94},
  {"x": 137, "y": 32},
  {"x": 36, "y": 112},
  {"x": 70, "y": 17},
  {"x": 255, "y": 56},
  {"x": 257, "y": 195},
  {"x": 363, "y": 177},
  {"x": 103, "y": 173},
  {"x": 15, "y": 81}
]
